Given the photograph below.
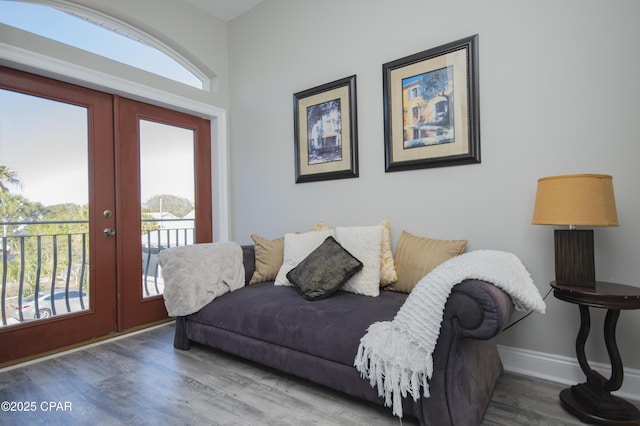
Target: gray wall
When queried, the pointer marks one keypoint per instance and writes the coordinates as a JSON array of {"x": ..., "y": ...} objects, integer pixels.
[{"x": 558, "y": 94}]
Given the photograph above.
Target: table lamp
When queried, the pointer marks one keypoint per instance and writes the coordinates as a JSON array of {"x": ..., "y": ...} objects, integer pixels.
[{"x": 575, "y": 200}]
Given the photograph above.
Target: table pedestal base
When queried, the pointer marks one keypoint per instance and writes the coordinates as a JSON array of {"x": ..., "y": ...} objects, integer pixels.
[
  {"x": 592, "y": 401},
  {"x": 601, "y": 408}
]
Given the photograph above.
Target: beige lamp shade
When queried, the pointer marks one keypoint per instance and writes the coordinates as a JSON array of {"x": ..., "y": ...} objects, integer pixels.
[{"x": 582, "y": 200}]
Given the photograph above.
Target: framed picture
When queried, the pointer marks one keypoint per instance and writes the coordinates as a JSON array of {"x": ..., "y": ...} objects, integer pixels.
[
  {"x": 326, "y": 134},
  {"x": 431, "y": 115}
]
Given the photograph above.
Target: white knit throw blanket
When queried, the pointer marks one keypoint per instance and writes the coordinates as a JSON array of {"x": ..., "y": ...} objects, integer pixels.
[{"x": 396, "y": 356}]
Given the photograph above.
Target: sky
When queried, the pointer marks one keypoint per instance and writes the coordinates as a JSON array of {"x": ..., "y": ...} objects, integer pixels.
[
  {"x": 46, "y": 155},
  {"x": 50, "y": 154},
  {"x": 166, "y": 161}
]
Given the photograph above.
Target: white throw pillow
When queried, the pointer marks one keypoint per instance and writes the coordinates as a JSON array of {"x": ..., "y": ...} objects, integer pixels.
[
  {"x": 296, "y": 248},
  {"x": 364, "y": 243}
]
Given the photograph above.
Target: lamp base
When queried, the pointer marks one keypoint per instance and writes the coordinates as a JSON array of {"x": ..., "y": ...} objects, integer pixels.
[{"x": 575, "y": 258}]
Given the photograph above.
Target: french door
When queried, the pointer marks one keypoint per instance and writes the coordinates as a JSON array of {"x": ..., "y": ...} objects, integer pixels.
[
  {"x": 79, "y": 236},
  {"x": 160, "y": 155},
  {"x": 37, "y": 254}
]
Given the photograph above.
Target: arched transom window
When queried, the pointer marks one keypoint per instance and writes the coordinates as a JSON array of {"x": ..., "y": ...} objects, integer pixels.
[{"x": 102, "y": 35}]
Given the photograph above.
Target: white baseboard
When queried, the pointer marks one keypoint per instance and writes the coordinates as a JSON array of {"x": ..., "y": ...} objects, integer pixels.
[{"x": 563, "y": 369}]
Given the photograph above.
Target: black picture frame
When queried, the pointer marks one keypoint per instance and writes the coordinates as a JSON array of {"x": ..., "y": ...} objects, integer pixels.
[
  {"x": 431, "y": 107},
  {"x": 326, "y": 131}
]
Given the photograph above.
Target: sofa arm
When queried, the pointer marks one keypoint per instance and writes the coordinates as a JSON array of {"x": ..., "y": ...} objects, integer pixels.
[
  {"x": 466, "y": 364},
  {"x": 478, "y": 309}
]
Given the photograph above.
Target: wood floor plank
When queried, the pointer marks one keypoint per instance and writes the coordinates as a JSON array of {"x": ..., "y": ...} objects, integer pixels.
[{"x": 143, "y": 380}]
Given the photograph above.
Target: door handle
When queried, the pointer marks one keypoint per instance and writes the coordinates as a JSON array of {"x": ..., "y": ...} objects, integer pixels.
[{"x": 109, "y": 232}]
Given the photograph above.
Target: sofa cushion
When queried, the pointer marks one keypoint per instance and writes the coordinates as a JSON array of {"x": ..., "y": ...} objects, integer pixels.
[
  {"x": 417, "y": 256},
  {"x": 269, "y": 255},
  {"x": 324, "y": 271},
  {"x": 363, "y": 242},
  {"x": 296, "y": 248},
  {"x": 388, "y": 274},
  {"x": 280, "y": 316}
]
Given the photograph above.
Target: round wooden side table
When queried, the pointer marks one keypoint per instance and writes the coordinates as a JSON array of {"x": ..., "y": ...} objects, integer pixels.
[{"x": 592, "y": 401}]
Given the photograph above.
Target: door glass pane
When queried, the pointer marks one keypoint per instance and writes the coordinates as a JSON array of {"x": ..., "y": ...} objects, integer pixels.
[
  {"x": 44, "y": 240},
  {"x": 167, "y": 196}
]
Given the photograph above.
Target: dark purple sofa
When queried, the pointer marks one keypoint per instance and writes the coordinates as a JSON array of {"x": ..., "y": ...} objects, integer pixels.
[{"x": 318, "y": 340}]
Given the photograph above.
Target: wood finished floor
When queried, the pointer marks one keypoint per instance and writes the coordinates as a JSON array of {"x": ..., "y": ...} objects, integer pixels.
[{"x": 142, "y": 380}]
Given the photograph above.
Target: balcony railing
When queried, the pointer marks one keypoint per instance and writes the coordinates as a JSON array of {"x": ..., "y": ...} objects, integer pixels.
[{"x": 47, "y": 274}]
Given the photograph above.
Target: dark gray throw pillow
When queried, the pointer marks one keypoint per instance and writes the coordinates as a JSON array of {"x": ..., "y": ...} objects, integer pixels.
[{"x": 324, "y": 271}]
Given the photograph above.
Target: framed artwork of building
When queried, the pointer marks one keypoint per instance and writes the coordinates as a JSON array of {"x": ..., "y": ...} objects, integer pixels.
[
  {"x": 431, "y": 113},
  {"x": 325, "y": 131}
]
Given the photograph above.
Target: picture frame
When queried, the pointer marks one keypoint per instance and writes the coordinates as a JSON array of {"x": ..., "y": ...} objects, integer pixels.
[
  {"x": 326, "y": 132},
  {"x": 431, "y": 107}
]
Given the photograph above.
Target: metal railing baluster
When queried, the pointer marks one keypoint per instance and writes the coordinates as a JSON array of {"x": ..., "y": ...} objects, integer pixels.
[
  {"x": 38, "y": 270},
  {"x": 53, "y": 275},
  {"x": 68, "y": 278},
  {"x": 21, "y": 285},
  {"x": 82, "y": 270},
  {"x": 155, "y": 277},
  {"x": 4, "y": 279},
  {"x": 145, "y": 280}
]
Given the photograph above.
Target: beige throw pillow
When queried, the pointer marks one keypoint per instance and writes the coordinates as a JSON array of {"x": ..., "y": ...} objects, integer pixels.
[
  {"x": 269, "y": 255},
  {"x": 320, "y": 226},
  {"x": 417, "y": 256},
  {"x": 388, "y": 274}
]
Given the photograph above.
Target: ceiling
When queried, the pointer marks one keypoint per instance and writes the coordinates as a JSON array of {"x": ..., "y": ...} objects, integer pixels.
[{"x": 225, "y": 10}]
